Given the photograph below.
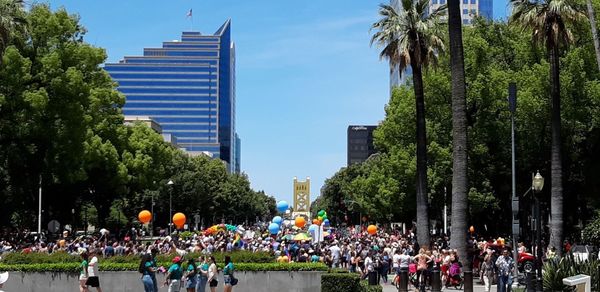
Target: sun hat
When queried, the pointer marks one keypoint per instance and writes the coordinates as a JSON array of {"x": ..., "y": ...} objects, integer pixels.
[{"x": 3, "y": 277}]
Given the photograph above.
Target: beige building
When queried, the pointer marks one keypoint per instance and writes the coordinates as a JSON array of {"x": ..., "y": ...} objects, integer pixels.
[{"x": 301, "y": 198}]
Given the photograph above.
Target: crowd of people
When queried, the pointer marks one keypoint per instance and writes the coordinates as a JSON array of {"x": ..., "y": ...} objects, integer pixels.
[{"x": 373, "y": 256}]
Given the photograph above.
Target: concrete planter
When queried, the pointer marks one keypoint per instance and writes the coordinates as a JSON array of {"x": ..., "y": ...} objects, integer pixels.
[{"x": 131, "y": 281}]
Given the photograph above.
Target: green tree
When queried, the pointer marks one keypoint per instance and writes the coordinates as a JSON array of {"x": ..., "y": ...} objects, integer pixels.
[
  {"x": 413, "y": 37},
  {"x": 12, "y": 18},
  {"x": 549, "y": 20}
]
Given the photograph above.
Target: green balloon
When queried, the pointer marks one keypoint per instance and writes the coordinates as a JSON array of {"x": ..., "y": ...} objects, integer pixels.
[
  {"x": 321, "y": 213},
  {"x": 324, "y": 217}
]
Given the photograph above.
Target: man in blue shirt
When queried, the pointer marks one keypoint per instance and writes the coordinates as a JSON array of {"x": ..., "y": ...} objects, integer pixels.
[{"x": 506, "y": 267}]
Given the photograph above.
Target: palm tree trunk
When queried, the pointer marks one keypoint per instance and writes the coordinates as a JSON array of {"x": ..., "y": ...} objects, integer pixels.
[
  {"x": 556, "y": 189},
  {"x": 460, "y": 182},
  {"x": 422, "y": 205},
  {"x": 590, "y": 9}
]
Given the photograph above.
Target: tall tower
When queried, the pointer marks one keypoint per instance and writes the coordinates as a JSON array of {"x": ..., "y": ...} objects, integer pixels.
[
  {"x": 301, "y": 198},
  {"x": 187, "y": 86}
]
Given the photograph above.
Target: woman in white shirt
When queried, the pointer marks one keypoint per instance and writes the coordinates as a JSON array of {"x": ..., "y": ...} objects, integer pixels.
[{"x": 212, "y": 275}]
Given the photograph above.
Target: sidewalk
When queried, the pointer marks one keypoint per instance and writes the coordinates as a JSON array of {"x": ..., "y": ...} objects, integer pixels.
[{"x": 476, "y": 288}]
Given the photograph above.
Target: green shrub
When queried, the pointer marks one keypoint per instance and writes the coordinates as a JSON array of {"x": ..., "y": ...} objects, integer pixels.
[
  {"x": 365, "y": 287},
  {"x": 591, "y": 232},
  {"x": 63, "y": 257},
  {"x": 556, "y": 271},
  {"x": 108, "y": 266},
  {"x": 340, "y": 282}
]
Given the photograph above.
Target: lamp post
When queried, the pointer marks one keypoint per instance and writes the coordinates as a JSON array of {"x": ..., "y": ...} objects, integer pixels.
[
  {"x": 170, "y": 184},
  {"x": 537, "y": 185}
]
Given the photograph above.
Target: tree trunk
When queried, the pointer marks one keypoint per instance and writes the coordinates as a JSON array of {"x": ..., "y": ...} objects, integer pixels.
[
  {"x": 422, "y": 205},
  {"x": 590, "y": 9},
  {"x": 460, "y": 183},
  {"x": 556, "y": 190}
]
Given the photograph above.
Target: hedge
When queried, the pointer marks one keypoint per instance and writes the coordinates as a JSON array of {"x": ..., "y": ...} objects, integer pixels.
[
  {"x": 107, "y": 266},
  {"x": 63, "y": 257},
  {"x": 340, "y": 282},
  {"x": 365, "y": 287}
]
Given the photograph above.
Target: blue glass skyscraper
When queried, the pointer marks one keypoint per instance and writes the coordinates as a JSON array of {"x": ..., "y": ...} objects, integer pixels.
[{"x": 188, "y": 87}]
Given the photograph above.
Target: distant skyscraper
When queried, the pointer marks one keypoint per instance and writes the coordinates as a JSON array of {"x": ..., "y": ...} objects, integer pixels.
[
  {"x": 188, "y": 87},
  {"x": 360, "y": 143}
]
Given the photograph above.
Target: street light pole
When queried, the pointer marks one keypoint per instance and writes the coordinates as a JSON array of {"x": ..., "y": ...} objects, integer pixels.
[
  {"x": 170, "y": 184},
  {"x": 39, "y": 229},
  {"x": 512, "y": 104},
  {"x": 537, "y": 185}
]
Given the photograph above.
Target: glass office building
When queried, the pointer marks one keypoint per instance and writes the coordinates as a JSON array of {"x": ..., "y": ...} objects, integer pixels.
[{"x": 188, "y": 88}]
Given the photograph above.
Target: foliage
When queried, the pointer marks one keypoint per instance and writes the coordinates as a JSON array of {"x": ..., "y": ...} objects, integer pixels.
[
  {"x": 63, "y": 257},
  {"x": 496, "y": 54},
  {"x": 365, "y": 287},
  {"x": 62, "y": 124},
  {"x": 339, "y": 282},
  {"x": 591, "y": 232},
  {"x": 555, "y": 271},
  {"x": 108, "y": 266}
]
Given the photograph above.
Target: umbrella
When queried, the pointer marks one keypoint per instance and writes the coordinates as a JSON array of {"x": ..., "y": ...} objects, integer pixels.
[
  {"x": 288, "y": 237},
  {"x": 301, "y": 236}
]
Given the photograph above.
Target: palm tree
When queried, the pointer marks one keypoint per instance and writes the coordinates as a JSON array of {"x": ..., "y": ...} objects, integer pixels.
[
  {"x": 548, "y": 19},
  {"x": 12, "y": 17},
  {"x": 590, "y": 9},
  {"x": 412, "y": 36},
  {"x": 460, "y": 180}
]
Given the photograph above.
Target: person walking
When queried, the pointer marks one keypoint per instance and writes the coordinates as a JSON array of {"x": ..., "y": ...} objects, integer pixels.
[
  {"x": 147, "y": 269},
  {"x": 202, "y": 274},
  {"x": 228, "y": 275},
  {"x": 83, "y": 275},
  {"x": 190, "y": 276},
  {"x": 488, "y": 271},
  {"x": 93, "y": 279},
  {"x": 506, "y": 266},
  {"x": 174, "y": 275},
  {"x": 212, "y": 274}
]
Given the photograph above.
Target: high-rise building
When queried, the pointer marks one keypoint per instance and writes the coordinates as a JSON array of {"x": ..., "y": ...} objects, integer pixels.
[
  {"x": 360, "y": 143},
  {"x": 188, "y": 87}
]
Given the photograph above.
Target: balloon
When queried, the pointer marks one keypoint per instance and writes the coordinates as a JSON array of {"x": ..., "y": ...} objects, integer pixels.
[
  {"x": 282, "y": 206},
  {"x": 312, "y": 228},
  {"x": 145, "y": 216},
  {"x": 320, "y": 218},
  {"x": 300, "y": 222},
  {"x": 179, "y": 219},
  {"x": 321, "y": 213},
  {"x": 471, "y": 229},
  {"x": 326, "y": 222},
  {"x": 316, "y": 221},
  {"x": 372, "y": 229},
  {"x": 324, "y": 217},
  {"x": 273, "y": 228},
  {"x": 277, "y": 220}
]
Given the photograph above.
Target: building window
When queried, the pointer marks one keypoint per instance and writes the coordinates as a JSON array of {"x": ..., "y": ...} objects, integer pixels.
[
  {"x": 465, "y": 1},
  {"x": 473, "y": 1},
  {"x": 434, "y": 2},
  {"x": 473, "y": 11},
  {"x": 465, "y": 21},
  {"x": 465, "y": 11},
  {"x": 442, "y": 2}
]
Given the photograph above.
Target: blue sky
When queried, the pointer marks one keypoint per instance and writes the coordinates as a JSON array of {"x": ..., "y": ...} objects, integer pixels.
[{"x": 305, "y": 71}]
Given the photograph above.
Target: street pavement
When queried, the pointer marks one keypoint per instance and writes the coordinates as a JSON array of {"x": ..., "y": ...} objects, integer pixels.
[{"x": 476, "y": 288}]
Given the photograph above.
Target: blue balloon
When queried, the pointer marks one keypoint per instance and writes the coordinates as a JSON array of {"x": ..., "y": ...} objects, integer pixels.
[
  {"x": 273, "y": 228},
  {"x": 277, "y": 220},
  {"x": 326, "y": 222},
  {"x": 312, "y": 228},
  {"x": 282, "y": 206}
]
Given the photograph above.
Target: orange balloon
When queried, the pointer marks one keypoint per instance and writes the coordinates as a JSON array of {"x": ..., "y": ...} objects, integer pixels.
[
  {"x": 179, "y": 219},
  {"x": 145, "y": 216},
  {"x": 316, "y": 221},
  {"x": 471, "y": 229},
  {"x": 372, "y": 229},
  {"x": 300, "y": 222}
]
